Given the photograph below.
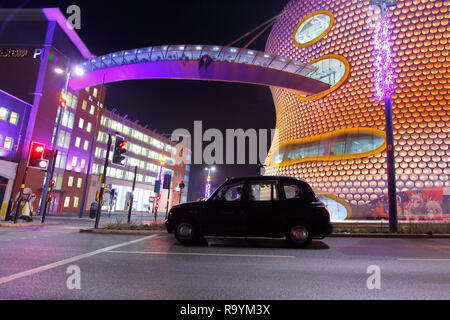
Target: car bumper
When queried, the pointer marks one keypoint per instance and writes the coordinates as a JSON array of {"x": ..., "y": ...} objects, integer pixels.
[
  {"x": 169, "y": 226},
  {"x": 326, "y": 230}
]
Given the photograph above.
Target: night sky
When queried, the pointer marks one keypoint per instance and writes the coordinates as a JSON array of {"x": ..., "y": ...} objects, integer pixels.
[{"x": 165, "y": 105}]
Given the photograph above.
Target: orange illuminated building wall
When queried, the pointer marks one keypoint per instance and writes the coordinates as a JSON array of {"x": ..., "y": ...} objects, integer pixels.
[{"x": 335, "y": 140}]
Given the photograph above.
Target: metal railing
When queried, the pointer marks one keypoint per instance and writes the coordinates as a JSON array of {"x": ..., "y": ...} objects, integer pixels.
[{"x": 195, "y": 52}]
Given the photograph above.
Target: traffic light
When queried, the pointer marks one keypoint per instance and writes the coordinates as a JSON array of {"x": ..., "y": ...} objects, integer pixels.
[
  {"x": 119, "y": 150},
  {"x": 51, "y": 185},
  {"x": 112, "y": 194},
  {"x": 167, "y": 179},
  {"x": 63, "y": 101},
  {"x": 157, "y": 186},
  {"x": 36, "y": 156}
]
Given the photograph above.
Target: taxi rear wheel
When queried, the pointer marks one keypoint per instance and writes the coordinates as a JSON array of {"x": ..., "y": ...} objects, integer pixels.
[{"x": 299, "y": 235}]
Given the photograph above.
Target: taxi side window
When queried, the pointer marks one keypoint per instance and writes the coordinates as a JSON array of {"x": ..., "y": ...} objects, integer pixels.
[
  {"x": 263, "y": 191},
  {"x": 230, "y": 192},
  {"x": 293, "y": 191}
]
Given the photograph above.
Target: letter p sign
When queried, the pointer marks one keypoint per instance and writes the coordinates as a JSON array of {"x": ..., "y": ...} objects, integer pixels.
[{"x": 38, "y": 53}]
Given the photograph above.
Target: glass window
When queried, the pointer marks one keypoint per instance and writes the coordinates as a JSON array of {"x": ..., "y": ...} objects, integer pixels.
[
  {"x": 66, "y": 202},
  {"x": 298, "y": 190},
  {"x": 92, "y": 110},
  {"x": 64, "y": 139},
  {"x": 329, "y": 70},
  {"x": 230, "y": 192},
  {"x": 70, "y": 181},
  {"x": 4, "y": 114},
  {"x": 83, "y": 163},
  {"x": 74, "y": 161},
  {"x": 85, "y": 145},
  {"x": 61, "y": 159},
  {"x": 81, "y": 123},
  {"x": 77, "y": 142},
  {"x": 292, "y": 191},
  {"x": 95, "y": 93},
  {"x": 312, "y": 28},
  {"x": 89, "y": 127},
  {"x": 8, "y": 143},
  {"x": 76, "y": 200},
  {"x": 263, "y": 191},
  {"x": 79, "y": 182},
  {"x": 84, "y": 105},
  {"x": 14, "y": 118},
  {"x": 354, "y": 143}
]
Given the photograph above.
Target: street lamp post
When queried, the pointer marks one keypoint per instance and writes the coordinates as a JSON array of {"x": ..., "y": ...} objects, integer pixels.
[
  {"x": 55, "y": 141},
  {"x": 91, "y": 152},
  {"x": 208, "y": 181},
  {"x": 384, "y": 82}
]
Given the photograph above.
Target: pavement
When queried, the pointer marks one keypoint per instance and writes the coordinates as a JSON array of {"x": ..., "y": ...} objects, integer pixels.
[
  {"x": 41, "y": 263},
  {"x": 85, "y": 221}
]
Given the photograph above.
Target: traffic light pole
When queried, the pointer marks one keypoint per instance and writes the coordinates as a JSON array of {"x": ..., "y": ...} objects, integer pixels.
[
  {"x": 48, "y": 198},
  {"x": 132, "y": 195},
  {"x": 102, "y": 188}
]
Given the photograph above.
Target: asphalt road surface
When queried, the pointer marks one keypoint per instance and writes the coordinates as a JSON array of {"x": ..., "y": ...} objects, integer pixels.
[{"x": 58, "y": 262}]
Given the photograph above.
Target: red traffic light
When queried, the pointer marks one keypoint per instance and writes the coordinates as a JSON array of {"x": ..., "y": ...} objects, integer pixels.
[
  {"x": 63, "y": 101},
  {"x": 52, "y": 183},
  {"x": 35, "y": 157}
]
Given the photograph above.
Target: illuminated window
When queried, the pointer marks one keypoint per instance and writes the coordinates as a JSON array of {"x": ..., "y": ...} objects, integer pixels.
[
  {"x": 89, "y": 127},
  {"x": 313, "y": 27},
  {"x": 76, "y": 200},
  {"x": 4, "y": 114},
  {"x": 8, "y": 143},
  {"x": 70, "y": 181},
  {"x": 14, "y": 118},
  {"x": 79, "y": 182},
  {"x": 85, "y": 145},
  {"x": 95, "y": 93},
  {"x": 329, "y": 70},
  {"x": 339, "y": 145},
  {"x": 77, "y": 142},
  {"x": 66, "y": 202},
  {"x": 81, "y": 123},
  {"x": 74, "y": 161},
  {"x": 83, "y": 163},
  {"x": 92, "y": 111},
  {"x": 84, "y": 105}
]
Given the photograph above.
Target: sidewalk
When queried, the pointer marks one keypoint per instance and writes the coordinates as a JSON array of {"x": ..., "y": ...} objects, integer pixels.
[{"x": 72, "y": 219}]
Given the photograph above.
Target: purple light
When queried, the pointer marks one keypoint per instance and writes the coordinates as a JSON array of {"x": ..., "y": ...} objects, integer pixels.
[
  {"x": 54, "y": 14},
  {"x": 384, "y": 70},
  {"x": 207, "y": 190}
]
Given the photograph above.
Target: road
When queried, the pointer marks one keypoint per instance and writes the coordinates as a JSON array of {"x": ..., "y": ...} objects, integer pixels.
[{"x": 34, "y": 264}]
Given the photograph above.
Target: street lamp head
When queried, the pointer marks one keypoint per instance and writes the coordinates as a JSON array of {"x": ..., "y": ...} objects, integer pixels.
[
  {"x": 79, "y": 71},
  {"x": 59, "y": 70},
  {"x": 213, "y": 169}
]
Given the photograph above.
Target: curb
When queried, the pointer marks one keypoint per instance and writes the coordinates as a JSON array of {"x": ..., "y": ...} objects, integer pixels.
[
  {"x": 29, "y": 224},
  {"x": 129, "y": 232},
  {"x": 388, "y": 236}
]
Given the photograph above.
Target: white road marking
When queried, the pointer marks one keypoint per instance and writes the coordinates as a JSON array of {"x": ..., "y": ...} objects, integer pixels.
[
  {"x": 204, "y": 254},
  {"x": 420, "y": 259},
  {"x": 69, "y": 260}
]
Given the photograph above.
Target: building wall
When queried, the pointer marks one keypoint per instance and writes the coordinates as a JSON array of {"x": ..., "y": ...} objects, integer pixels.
[{"x": 355, "y": 186}]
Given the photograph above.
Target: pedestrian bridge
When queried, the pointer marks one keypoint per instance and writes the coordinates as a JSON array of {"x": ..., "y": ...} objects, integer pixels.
[{"x": 200, "y": 62}]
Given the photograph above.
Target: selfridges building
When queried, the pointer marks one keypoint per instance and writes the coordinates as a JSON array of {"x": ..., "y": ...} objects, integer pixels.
[{"x": 335, "y": 140}]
